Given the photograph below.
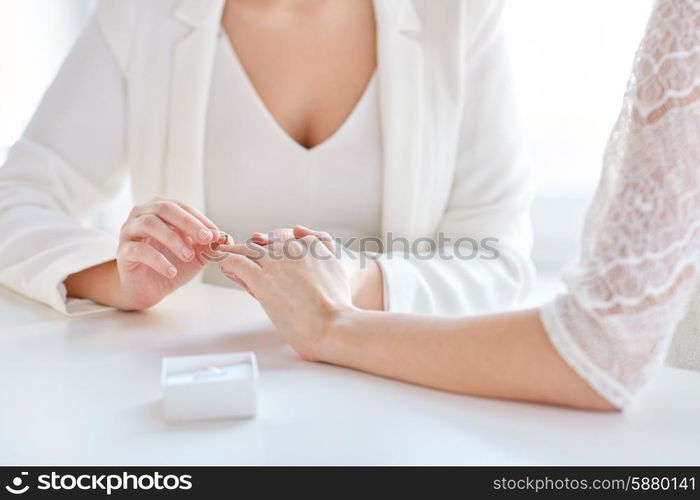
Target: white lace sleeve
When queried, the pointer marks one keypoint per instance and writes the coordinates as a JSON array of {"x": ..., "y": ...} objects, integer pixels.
[{"x": 641, "y": 243}]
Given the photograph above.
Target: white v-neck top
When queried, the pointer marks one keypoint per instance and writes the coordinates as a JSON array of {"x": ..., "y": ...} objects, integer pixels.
[{"x": 257, "y": 178}]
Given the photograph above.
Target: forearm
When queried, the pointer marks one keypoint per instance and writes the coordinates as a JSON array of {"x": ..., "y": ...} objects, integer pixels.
[
  {"x": 506, "y": 356},
  {"x": 98, "y": 283}
]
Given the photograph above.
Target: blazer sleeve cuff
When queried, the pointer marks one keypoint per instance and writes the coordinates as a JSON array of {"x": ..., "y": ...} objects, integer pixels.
[{"x": 405, "y": 288}]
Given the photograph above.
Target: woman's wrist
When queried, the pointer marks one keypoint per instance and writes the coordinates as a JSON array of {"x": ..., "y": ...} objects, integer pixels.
[
  {"x": 367, "y": 284},
  {"x": 101, "y": 284},
  {"x": 338, "y": 334}
]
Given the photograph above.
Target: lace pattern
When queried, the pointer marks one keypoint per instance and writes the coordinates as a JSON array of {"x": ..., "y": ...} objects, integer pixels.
[{"x": 640, "y": 250}]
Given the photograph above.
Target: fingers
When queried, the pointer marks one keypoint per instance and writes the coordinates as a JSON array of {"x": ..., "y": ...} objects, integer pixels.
[
  {"x": 180, "y": 216},
  {"x": 224, "y": 239},
  {"x": 296, "y": 249},
  {"x": 290, "y": 242},
  {"x": 276, "y": 235},
  {"x": 152, "y": 226},
  {"x": 317, "y": 247},
  {"x": 250, "y": 250},
  {"x": 203, "y": 219},
  {"x": 138, "y": 252},
  {"x": 236, "y": 280},
  {"x": 239, "y": 250},
  {"x": 302, "y": 231},
  {"x": 297, "y": 232},
  {"x": 242, "y": 267}
]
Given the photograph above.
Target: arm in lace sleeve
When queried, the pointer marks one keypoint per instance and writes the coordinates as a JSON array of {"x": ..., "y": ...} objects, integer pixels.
[{"x": 641, "y": 243}]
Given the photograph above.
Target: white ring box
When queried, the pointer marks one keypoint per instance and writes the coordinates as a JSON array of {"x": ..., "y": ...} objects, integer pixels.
[{"x": 214, "y": 386}]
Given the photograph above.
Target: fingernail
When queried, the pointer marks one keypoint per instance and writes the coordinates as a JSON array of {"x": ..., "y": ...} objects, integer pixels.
[
  {"x": 213, "y": 246},
  {"x": 172, "y": 271},
  {"x": 204, "y": 235},
  {"x": 187, "y": 252}
]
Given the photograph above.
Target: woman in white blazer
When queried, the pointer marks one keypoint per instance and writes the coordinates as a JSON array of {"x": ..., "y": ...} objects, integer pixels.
[{"x": 134, "y": 100}]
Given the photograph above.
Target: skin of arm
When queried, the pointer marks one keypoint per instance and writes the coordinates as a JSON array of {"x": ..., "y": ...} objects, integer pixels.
[
  {"x": 505, "y": 356},
  {"x": 98, "y": 283},
  {"x": 308, "y": 296}
]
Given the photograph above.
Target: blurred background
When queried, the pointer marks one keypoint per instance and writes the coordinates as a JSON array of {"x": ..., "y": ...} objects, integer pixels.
[{"x": 571, "y": 60}]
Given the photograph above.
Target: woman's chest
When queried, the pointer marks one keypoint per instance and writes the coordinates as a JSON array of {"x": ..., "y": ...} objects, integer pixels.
[
  {"x": 309, "y": 67},
  {"x": 258, "y": 178}
]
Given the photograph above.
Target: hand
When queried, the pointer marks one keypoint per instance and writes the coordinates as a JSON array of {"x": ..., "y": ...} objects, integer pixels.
[
  {"x": 301, "y": 285},
  {"x": 160, "y": 249},
  {"x": 366, "y": 281}
]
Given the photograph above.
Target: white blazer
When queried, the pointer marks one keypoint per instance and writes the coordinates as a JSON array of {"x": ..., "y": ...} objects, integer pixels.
[{"x": 131, "y": 99}]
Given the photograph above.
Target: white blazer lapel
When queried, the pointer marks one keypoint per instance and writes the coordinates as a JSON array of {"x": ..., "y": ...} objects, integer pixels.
[
  {"x": 403, "y": 114},
  {"x": 401, "y": 68},
  {"x": 192, "y": 63}
]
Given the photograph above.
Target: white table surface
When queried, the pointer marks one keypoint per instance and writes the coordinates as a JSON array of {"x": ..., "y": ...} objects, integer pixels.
[{"x": 87, "y": 391}]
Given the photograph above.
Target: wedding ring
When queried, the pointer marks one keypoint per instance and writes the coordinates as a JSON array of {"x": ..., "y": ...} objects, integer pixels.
[
  {"x": 208, "y": 372},
  {"x": 224, "y": 239}
]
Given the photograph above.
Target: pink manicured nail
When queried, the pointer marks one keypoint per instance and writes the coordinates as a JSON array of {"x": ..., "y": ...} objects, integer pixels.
[
  {"x": 187, "y": 253},
  {"x": 205, "y": 235},
  {"x": 172, "y": 271}
]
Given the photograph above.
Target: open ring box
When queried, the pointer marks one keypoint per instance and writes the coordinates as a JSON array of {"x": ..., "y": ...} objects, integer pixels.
[{"x": 214, "y": 386}]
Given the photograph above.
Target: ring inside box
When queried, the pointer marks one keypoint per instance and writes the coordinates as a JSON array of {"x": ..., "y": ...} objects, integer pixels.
[{"x": 209, "y": 373}]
